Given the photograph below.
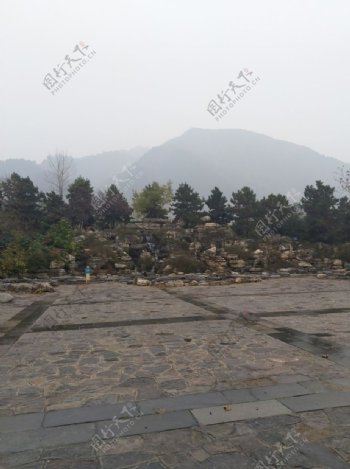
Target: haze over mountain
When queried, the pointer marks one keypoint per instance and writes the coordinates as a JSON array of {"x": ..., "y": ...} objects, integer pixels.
[
  {"x": 204, "y": 158},
  {"x": 232, "y": 158},
  {"x": 102, "y": 169}
]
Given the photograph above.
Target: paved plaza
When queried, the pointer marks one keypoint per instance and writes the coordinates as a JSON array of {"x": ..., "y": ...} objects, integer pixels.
[{"x": 110, "y": 375}]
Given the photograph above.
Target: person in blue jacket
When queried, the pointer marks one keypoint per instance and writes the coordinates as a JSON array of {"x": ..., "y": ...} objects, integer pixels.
[{"x": 88, "y": 271}]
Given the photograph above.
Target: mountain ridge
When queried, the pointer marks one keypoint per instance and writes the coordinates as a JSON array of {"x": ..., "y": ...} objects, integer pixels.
[{"x": 204, "y": 158}]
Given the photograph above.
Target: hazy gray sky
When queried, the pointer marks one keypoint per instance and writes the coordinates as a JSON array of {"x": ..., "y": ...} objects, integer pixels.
[{"x": 157, "y": 65}]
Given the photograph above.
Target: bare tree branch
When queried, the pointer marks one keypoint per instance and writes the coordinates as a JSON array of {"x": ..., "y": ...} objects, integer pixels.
[{"x": 60, "y": 172}]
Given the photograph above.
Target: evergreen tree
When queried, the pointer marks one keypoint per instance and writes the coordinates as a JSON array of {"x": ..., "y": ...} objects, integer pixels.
[
  {"x": 21, "y": 201},
  {"x": 319, "y": 205},
  {"x": 245, "y": 212},
  {"x": 111, "y": 207},
  {"x": 54, "y": 208},
  {"x": 343, "y": 220},
  {"x": 218, "y": 209},
  {"x": 80, "y": 208},
  {"x": 280, "y": 216},
  {"x": 187, "y": 205}
]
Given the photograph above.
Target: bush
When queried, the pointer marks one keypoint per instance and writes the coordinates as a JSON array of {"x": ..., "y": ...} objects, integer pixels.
[
  {"x": 187, "y": 264},
  {"x": 61, "y": 236},
  {"x": 38, "y": 257},
  {"x": 343, "y": 252},
  {"x": 13, "y": 259}
]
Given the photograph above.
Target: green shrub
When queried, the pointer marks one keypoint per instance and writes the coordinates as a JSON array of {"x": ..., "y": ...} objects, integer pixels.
[
  {"x": 188, "y": 265},
  {"x": 343, "y": 252},
  {"x": 38, "y": 257},
  {"x": 61, "y": 235},
  {"x": 13, "y": 259}
]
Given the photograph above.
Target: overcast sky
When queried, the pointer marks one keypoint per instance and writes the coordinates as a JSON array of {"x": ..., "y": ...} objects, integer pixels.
[{"x": 158, "y": 63}]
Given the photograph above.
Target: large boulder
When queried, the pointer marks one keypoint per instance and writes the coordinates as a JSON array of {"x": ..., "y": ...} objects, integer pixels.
[
  {"x": 42, "y": 287},
  {"x": 56, "y": 264},
  {"x": 211, "y": 251},
  {"x": 20, "y": 287},
  {"x": 119, "y": 266},
  {"x": 142, "y": 282},
  {"x": 304, "y": 264},
  {"x": 237, "y": 264},
  {"x": 5, "y": 297}
]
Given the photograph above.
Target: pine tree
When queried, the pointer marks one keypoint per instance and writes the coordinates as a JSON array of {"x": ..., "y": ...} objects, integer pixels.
[
  {"x": 111, "y": 207},
  {"x": 187, "y": 205},
  {"x": 218, "y": 209},
  {"x": 80, "y": 208}
]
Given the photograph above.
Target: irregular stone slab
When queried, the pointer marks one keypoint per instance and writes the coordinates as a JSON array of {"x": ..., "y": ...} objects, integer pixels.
[
  {"x": 67, "y": 464},
  {"x": 310, "y": 455},
  {"x": 341, "y": 382},
  {"x": 57, "y": 418},
  {"x": 281, "y": 390},
  {"x": 18, "y": 423},
  {"x": 339, "y": 416},
  {"x": 285, "y": 379},
  {"x": 236, "y": 396},
  {"x": 194, "y": 401},
  {"x": 313, "y": 386},
  {"x": 325, "y": 400},
  {"x": 23, "y": 459},
  {"x": 228, "y": 461},
  {"x": 248, "y": 410},
  {"x": 153, "y": 423},
  {"x": 45, "y": 438},
  {"x": 139, "y": 459}
]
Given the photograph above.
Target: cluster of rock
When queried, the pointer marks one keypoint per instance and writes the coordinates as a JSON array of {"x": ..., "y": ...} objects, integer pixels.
[
  {"x": 29, "y": 286},
  {"x": 181, "y": 280},
  {"x": 158, "y": 252}
]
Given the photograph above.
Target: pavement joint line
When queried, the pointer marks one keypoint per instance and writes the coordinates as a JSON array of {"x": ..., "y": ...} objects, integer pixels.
[
  {"x": 220, "y": 310},
  {"x": 303, "y": 312},
  {"x": 336, "y": 354},
  {"x": 23, "y": 320},
  {"x": 96, "y": 302},
  {"x": 161, "y": 406},
  {"x": 125, "y": 323},
  {"x": 339, "y": 354}
]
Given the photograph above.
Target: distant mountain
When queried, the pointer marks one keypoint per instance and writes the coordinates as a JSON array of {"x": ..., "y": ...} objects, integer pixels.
[
  {"x": 227, "y": 158},
  {"x": 102, "y": 169},
  {"x": 231, "y": 159},
  {"x": 24, "y": 168}
]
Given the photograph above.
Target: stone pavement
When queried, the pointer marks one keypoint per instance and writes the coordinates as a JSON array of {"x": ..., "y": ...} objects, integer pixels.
[{"x": 117, "y": 376}]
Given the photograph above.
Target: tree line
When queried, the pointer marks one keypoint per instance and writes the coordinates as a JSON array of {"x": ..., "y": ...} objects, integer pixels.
[
  {"x": 37, "y": 228},
  {"x": 317, "y": 215}
]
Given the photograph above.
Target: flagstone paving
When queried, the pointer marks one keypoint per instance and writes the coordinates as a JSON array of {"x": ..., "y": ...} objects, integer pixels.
[{"x": 119, "y": 376}]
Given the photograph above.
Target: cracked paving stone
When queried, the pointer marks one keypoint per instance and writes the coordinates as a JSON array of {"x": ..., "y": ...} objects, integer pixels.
[
  {"x": 309, "y": 454},
  {"x": 125, "y": 460},
  {"x": 228, "y": 461}
]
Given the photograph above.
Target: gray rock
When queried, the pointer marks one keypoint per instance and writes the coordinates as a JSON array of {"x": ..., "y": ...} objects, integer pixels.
[{"x": 5, "y": 298}]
